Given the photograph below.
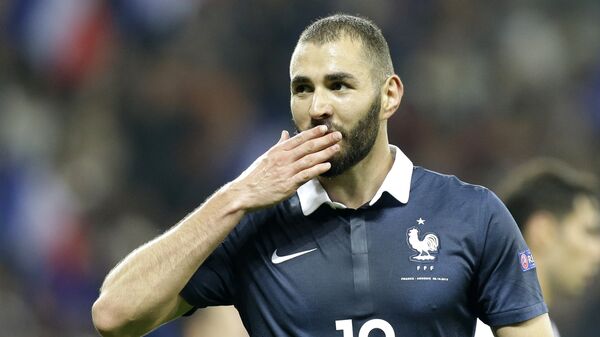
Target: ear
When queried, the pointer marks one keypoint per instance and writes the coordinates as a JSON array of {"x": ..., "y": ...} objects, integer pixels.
[
  {"x": 392, "y": 92},
  {"x": 541, "y": 231}
]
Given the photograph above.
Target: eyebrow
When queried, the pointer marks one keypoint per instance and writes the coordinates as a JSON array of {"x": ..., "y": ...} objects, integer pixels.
[
  {"x": 339, "y": 76},
  {"x": 300, "y": 80}
]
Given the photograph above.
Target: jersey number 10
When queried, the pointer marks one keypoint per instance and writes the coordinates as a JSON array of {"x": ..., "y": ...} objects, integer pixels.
[{"x": 346, "y": 326}]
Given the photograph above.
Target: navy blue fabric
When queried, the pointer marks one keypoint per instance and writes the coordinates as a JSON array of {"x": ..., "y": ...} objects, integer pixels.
[{"x": 366, "y": 267}]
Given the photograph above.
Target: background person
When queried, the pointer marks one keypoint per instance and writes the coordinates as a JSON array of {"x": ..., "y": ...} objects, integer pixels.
[{"x": 558, "y": 211}]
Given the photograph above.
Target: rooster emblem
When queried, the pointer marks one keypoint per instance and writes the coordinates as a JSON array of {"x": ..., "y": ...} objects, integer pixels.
[{"x": 425, "y": 247}]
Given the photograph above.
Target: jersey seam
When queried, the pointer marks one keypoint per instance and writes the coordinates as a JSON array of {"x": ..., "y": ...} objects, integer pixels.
[
  {"x": 514, "y": 310},
  {"x": 485, "y": 232}
]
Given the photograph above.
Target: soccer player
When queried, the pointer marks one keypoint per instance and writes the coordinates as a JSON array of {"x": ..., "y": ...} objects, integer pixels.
[
  {"x": 558, "y": 212},
  {"x": 334, "y": 232}
]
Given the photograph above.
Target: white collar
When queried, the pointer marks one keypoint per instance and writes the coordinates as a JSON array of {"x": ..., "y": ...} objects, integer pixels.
[{"x": 397, "y": 183}]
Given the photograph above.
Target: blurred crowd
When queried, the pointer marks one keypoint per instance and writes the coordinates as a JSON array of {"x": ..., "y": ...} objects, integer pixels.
[{"x": 119, "y": 117}]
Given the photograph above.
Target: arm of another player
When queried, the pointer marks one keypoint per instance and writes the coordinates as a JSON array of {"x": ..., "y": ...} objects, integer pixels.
[
  {"x": 142, "y": 291},
  {"x": 539, "y": 326}
]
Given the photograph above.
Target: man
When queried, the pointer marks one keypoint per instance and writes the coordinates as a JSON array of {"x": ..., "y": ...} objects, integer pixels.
[
  {"x": 334, "y": 232},
  {"x": 558, "y": 212}
]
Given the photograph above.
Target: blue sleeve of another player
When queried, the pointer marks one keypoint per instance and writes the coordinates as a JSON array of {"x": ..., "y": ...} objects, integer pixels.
[
  {"x": 214, "y": 282},
  {"x": 508, "y": 290}
]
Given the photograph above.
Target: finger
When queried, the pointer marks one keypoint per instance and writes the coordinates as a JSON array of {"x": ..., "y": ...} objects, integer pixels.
[
  {"x": 316, "y": 158},
  {"x": 284, "y": 136},
  {"x": 303, "y": 137},
  {"x": 303, "y": 176},
  {"x": 316, "y": 145}
]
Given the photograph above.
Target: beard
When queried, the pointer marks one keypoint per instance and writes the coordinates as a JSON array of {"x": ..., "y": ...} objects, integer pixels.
[{"x": 358, "y": 141}]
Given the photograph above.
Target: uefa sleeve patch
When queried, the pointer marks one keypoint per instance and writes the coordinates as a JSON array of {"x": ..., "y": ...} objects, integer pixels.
[{"x": 526, "y": 260}]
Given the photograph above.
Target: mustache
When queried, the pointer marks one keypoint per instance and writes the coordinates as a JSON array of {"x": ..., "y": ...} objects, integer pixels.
[
  {"x": 331, "y": 127},
  {"x": 326, "y": 122}
]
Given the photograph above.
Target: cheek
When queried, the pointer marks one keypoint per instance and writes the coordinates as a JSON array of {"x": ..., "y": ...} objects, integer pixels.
[
  {"x": 299, "y": 112},
  {"x": 299, "y": 119},
  {"x": 576, "y": 257},
  {"x": 576, "y": 246},
  {"x": 588, "y": 248}
]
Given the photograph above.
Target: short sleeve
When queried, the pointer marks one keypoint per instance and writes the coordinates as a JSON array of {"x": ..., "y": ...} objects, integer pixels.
[
  {"x": 213, "y": 283},
  {"x": 508, "y": 292}
]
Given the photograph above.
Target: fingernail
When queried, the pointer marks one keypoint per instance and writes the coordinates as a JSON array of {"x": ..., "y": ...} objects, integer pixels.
[
  {"x": 337, "y": 135},
  {"x": 323, "y": 128}
]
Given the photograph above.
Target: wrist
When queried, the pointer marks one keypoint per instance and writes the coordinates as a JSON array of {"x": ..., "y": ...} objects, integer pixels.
[{"x": 235, "y": 198}]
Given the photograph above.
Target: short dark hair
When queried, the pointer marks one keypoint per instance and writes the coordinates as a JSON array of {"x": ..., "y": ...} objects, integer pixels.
[
  {"x": 332, "y": 28},
  {"x": 545, "y": 185}
]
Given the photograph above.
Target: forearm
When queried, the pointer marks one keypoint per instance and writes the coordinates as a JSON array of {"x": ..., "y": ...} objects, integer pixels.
[{"x": 141, "y": 291}]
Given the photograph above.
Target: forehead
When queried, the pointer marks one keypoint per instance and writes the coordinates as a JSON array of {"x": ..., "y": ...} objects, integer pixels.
[{"x": 316, "y": 60}]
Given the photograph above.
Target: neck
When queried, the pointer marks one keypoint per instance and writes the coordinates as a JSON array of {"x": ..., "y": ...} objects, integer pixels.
[
  {"x": 358, "y": 185},
  {"x": 544, "y": 282}
]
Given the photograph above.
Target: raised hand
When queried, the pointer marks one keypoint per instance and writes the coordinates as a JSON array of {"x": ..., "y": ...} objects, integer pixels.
[{"x": 287, "y": 165}]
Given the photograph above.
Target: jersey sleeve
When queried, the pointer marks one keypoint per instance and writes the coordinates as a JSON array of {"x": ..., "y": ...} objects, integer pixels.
[
  {"x": 213, "y": 283},
  {"x": 508, "y": 290}
]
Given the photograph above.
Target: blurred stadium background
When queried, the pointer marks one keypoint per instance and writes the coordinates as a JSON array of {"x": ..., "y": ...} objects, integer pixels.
[{"x": 119, "y": 117}]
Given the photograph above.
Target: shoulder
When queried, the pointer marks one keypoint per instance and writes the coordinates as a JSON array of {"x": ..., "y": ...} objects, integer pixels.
[
  {"x": 445, "y": 185},
  {"x": 455, "y": 198},
  {"x": 477, "y": 204}
]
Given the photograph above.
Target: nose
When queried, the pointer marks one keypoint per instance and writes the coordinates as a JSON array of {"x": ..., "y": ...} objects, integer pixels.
[{"x": 321, "y": 107}]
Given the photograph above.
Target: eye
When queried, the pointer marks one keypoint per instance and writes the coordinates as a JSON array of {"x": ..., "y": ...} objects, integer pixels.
[
  {"x": 301, "y": 88},
  {"x": 338, "y": 86}
]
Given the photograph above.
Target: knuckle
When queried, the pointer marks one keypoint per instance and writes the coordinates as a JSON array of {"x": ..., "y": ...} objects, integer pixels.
[
  {"x": 319, "y": 156},
  {"x": 269, "y": 156},
  {"x": 263, "y": 161},
  {"x": 278, "y": 159},
  {"x": 304, "y": 176}
]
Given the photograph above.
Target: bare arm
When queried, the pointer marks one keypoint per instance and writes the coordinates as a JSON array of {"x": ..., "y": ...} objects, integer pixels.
[
  {"x": 142, "y": 291},
  {"x": 539, "y": 326}
]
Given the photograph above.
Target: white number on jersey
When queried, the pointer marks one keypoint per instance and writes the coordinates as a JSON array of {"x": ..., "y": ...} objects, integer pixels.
[{"x": 346, "y": 326}]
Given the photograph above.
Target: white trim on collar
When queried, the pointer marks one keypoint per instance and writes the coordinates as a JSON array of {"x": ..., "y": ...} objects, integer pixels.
[{"x": 397, "y": 183}]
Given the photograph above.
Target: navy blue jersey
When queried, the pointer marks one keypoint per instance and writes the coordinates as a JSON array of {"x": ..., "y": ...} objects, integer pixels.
[{"x": 424, "y": 267}]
